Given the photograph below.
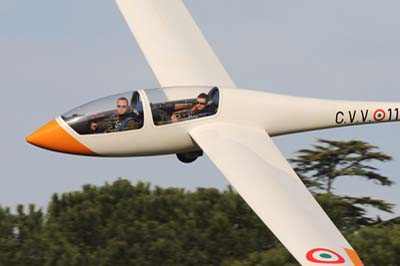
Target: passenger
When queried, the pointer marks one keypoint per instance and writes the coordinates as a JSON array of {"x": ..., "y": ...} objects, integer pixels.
[
  {"x": 202, "y": 108},
  {"x": 123, "y": 119},
  {"x": 199, "y": 109}
]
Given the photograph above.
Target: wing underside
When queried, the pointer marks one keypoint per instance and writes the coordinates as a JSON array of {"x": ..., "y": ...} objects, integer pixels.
[
  {"x": 262, "y": 176},
  {"x": 173, "y": 45}
]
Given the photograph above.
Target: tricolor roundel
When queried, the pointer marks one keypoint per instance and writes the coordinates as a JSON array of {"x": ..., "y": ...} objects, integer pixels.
[
  {"x": 379, "y": 115},
  {"x": 324, "y": 256}
]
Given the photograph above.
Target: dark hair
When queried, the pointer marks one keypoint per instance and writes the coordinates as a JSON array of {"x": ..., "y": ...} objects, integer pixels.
[
  {"x": 203, "y": 96},
  {"x": 123, "y": 99}
]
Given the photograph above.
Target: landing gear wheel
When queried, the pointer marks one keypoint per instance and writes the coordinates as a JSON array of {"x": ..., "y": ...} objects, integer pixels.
[{"x": 189, "y": 157}]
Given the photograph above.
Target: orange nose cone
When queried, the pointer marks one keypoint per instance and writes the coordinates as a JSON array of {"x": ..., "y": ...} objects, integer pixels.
[{"x": 53, "y": 137}]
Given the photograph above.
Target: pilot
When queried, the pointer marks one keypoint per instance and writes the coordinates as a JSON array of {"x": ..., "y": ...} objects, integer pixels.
[{"x": 123, "y": 119}]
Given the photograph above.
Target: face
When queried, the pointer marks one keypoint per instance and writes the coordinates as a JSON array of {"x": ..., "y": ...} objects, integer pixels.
[
  {"x": 122, "y": 107},
  {"x": 201, "y": 103}
]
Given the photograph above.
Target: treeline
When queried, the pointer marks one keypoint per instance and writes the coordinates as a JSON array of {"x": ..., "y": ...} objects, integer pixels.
[{"x": 121, "y": 224}]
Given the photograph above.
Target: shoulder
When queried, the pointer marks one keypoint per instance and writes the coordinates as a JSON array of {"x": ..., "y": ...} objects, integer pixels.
[{"x": 211, "y": 109}]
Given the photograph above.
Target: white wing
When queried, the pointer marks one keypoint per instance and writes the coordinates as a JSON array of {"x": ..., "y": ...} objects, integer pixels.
[
  {"x": 173, "y": 45},
  {"x": 262, "y": 176}
]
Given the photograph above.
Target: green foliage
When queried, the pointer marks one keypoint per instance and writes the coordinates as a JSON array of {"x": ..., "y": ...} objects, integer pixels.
[
  {"x": 21, "y": 241},
  {"x": 378, "y": 245},
  {"x": 121, "y": 224},
  {"x": 329, "y": 160},
  {"x": 349, "y": 213},
  {"x": 276, "y": 256}
]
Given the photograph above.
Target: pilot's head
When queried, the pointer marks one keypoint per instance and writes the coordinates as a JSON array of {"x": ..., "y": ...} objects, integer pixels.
[
  {"x": 122, "y": 105},
  {"x": 202, "y": 101}
]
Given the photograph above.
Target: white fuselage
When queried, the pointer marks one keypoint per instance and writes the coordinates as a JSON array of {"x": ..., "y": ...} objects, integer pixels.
[{"x": 276, "y": 114}]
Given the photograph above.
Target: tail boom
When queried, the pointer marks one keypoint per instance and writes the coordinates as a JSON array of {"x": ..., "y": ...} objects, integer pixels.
[
  {"x": 311, "y": 114},
  {"x": 281, "y": 114}
]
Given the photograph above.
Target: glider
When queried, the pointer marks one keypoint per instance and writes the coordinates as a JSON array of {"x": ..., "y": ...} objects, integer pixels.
[{"x": 199, "y": 109}]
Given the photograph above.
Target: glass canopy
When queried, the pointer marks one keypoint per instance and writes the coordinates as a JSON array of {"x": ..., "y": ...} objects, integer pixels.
[
  {"x": 172, "y": 105},
  {"x": 114, "y": 113},
  {"x": 124, "y": 111}
]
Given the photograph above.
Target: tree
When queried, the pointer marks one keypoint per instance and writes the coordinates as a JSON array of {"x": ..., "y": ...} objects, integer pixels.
[
  {"x": 21, "y": 242},
  {"x": 121, "y": 224},
  {"x": 8, "y": 244},
  {"x": 276, "y": 256},
  {"x": 329, "y": 160},
  {"x": 379, "y": 244}
]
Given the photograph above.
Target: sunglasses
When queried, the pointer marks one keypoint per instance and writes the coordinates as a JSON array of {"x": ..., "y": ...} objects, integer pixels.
[
  {"x": 121, "y": 106},
  {"x": 201, "y": 103}
]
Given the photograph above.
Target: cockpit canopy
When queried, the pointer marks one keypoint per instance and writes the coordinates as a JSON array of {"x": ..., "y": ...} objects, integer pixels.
[
  {"x": 124, "y": 111},
  {"x": 173, "y": 105},
  {"x": 114, "y": 113}
]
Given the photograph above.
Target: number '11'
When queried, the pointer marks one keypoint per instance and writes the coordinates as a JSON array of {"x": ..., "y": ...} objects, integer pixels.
[{"x": 390, "y": 113}]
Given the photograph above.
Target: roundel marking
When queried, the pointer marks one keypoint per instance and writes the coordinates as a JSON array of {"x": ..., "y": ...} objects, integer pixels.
[
  {"x": 324, "y": 256},
  {"x": 379, "y": 115}
]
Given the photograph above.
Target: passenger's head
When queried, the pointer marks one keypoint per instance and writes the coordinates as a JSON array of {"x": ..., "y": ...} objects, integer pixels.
[
  {"x": 202, "y": 101},
  {"x": 122, "y": 105}
]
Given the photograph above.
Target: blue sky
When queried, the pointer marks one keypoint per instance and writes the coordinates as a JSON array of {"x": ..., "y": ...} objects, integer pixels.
[{"x": 56, "y": 55}]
